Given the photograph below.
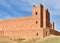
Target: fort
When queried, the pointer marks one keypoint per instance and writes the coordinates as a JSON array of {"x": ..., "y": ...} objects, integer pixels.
[{"x": 36, "y": 26}]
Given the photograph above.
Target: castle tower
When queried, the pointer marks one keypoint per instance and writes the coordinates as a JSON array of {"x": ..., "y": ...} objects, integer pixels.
[
  {"x": 52, "y": 25},
  {"x": 37, "y": 13},
  {"x": 41, "y": 14},
  {"x": 46, "y": 18}
]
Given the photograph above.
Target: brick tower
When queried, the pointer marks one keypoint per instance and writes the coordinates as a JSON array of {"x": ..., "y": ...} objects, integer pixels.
[{"x": 42, "y": 16}]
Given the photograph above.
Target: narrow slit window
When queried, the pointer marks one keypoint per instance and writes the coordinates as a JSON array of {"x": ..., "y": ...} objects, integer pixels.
[
  {"x": 36, "y": 34},
  {"x": 36, "y": 22},
  {"x": 36, "y": 13}
]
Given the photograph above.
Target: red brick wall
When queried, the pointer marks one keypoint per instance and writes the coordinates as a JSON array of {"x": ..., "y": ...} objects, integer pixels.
[
  {"x": 27, "y": 34},
  {"x": 46, "y": 32}
]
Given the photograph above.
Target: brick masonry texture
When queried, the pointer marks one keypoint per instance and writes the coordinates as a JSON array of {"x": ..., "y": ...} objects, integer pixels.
[{"x": 36, "y": 26}]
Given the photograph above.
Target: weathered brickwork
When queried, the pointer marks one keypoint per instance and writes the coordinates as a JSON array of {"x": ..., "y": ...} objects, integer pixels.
[{"x": 36, "y": 26}]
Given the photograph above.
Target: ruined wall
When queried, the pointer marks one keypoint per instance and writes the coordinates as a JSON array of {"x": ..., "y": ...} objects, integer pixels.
[
  {"x": 36, "y": 26},
  {"x": 26, "y": 27},
  {"x": 52, "y": 25},
  {"x": 27, "y": 34},
  {"x": 46, "y": 32},
  {"x": 54, "y": 32}
]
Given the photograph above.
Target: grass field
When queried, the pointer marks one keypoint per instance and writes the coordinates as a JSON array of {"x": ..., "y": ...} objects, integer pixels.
[{"x": 55, "y": 39}]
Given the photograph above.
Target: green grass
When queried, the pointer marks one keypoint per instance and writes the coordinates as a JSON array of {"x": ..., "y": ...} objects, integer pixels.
[
  {"x": 45, "y": 40},
  {"x": 50, "y": 40}
]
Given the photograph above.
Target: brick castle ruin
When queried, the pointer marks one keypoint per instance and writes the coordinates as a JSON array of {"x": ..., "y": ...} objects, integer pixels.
[{"x": 36, "y": 26}]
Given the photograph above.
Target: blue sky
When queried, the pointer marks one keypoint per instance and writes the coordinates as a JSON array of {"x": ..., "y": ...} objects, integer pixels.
[{"x": 20, "y": 8}]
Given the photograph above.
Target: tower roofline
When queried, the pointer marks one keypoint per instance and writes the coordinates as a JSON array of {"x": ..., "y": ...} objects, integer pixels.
[
  {"x": 39, "y": 5},
  {"x": 33, "y": 5}
]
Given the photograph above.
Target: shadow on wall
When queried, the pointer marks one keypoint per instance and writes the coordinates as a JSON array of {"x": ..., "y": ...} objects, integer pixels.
[{"x": 54, "y": 32}]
